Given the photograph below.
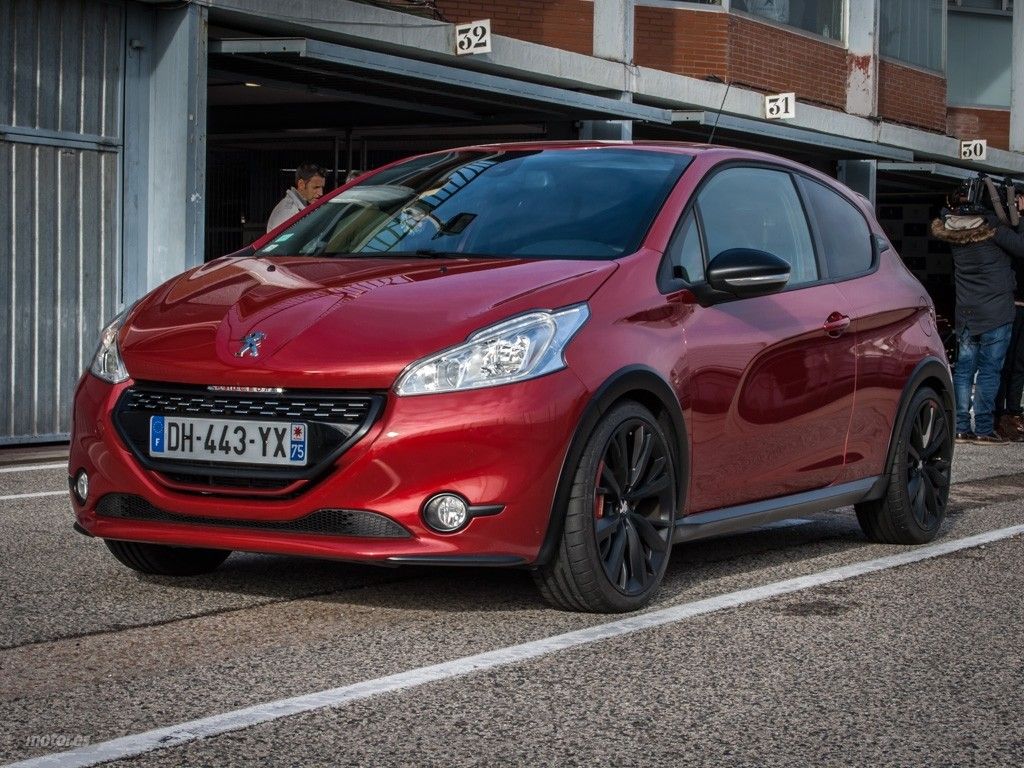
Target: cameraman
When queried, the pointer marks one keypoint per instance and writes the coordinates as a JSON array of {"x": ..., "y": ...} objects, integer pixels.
[
  {"x": 984, "y": 280},
  {"x": 1008, "y": 412}
]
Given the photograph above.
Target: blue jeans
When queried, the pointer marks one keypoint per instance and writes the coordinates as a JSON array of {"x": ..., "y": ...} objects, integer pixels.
[{"x": 980, "y": 354}]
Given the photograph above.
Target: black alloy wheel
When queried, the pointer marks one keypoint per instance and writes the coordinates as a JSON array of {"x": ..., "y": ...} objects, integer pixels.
[
  {"x": 914, "y": 505},
  {"x": 620, "y": 517},
  {"x": 633, "y": 507},
  {"x": 929, "y": 460}
]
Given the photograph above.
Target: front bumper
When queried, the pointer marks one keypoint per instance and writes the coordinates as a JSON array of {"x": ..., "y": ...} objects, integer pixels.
[{"x": 502, "y": 446}]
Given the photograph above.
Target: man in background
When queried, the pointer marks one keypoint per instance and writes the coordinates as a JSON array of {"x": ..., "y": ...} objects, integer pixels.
[
  {"x": 309, "y": 185},
  {"x": 1009, "y": 414}
]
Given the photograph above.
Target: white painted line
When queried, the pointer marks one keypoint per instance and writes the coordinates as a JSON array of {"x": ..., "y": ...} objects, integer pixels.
[
  {"x": 194, "y": 730},
  {"x": 33, "y": 467},
  {"x": 38, "y": 495}
]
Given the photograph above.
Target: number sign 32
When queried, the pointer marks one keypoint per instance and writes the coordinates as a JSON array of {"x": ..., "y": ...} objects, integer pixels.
[
  {"x": 474, "y": 37},
  {"x": 780, "y": 106}
]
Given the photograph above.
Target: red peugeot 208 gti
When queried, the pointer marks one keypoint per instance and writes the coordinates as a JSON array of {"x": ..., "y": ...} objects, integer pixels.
[{"x": 567, "y": 357}]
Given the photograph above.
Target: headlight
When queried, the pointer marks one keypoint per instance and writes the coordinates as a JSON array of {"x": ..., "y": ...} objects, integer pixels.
[
  {"x": 514, "y": 350},
  {"x": 107, "y": 363}
]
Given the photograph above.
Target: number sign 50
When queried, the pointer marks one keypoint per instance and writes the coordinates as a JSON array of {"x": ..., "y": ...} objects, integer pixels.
[
  {"x": 474, "y": 37},
  {"x": 974, "y": 149}
]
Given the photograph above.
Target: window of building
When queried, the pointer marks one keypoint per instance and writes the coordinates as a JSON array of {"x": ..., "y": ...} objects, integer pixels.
[
  {"x": 979, "y": 50},
  {"x": 758, "y": 208},
  {"x": 819, "y": 17},
  {"x": 842, "y": 230},
  {"x": 911, "y": 31}
]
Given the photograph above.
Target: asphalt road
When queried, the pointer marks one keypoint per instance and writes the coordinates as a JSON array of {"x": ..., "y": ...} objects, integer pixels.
[{"x": 915, "y": 665}]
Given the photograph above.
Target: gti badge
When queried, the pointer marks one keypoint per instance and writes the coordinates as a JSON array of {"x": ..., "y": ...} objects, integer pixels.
[{"x": 251, "y": 344}]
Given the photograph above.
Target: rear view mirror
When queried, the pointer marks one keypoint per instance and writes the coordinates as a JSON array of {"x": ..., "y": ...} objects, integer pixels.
[{"x": 746, "y": 272}]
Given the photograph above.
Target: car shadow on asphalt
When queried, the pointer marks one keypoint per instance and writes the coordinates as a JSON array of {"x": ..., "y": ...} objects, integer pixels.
[{"x": 778, "y": 550}]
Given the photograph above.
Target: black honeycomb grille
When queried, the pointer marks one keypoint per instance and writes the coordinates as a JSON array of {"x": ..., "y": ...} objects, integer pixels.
[
  {"x": 344, "y": 410},
  {"x": 330, "y": 522}
]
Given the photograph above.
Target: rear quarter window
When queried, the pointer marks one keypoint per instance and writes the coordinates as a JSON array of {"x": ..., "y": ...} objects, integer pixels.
[{"x": 843, "y": 232}]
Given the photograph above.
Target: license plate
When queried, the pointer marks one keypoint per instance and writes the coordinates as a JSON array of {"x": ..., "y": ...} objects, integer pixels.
[{"x": 249, "y": 442}]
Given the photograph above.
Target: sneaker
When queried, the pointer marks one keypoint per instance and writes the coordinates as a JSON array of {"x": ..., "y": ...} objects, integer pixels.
[
  {"x": 966, "y": 437},
  {"x": 991, "y": 439}
]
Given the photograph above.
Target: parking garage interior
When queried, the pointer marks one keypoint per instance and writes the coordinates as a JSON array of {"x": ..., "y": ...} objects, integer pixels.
[{"x": 276, "y": 102}]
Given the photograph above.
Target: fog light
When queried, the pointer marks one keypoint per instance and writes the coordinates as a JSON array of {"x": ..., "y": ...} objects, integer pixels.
[
  {"x": 446, "y": 512},
  {"x": 82, "y": 486}
]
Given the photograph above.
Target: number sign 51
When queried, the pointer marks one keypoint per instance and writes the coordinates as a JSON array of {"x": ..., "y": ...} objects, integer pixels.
[
  {"x": 474, "y": 37},
  {"x": 780, "y": 106}
]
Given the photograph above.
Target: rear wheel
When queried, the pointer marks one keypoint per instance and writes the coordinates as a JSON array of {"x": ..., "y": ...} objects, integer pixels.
[
  {"x": 163, "y": 560},
  {"x": 619, "y": 521},
  {"x": 914, "y": 506}
]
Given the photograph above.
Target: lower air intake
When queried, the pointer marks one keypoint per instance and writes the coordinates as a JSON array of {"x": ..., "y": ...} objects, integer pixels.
[{"x": 329, "y": 522}]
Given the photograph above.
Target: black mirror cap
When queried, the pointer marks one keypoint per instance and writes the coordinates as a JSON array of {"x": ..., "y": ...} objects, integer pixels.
[{"x": 746, "y": 272}]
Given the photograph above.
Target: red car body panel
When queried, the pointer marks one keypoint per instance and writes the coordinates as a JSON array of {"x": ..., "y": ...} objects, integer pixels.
[
  {"x": 772, "y": 404},
  {"x": 325, "y": 319}
]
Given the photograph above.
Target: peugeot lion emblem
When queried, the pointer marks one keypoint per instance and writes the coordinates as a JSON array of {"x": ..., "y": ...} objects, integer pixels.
[{"x": 251, "y": 344}]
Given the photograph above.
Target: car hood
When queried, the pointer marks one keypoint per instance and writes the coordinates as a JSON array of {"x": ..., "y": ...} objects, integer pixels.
[{"x": 354, "y": 323}]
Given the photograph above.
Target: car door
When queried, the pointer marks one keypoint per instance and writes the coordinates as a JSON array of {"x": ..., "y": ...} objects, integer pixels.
[{"x": 767, "y": 382}]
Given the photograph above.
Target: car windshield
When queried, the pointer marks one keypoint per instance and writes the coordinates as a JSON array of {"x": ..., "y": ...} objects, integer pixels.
[{"x": 595, "y": 203}]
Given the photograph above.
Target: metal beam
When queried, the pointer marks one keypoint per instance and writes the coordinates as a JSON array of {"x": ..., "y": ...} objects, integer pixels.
[
  {"x": 424, "y": 71},
  {"x": 362, "y": 98},
  {"x": 935, "y": 169},
  {"x": 791, "y": 134},
  {"x": 25, "y": 135}
]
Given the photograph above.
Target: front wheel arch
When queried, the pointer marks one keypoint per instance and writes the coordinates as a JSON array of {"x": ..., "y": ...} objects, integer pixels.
[{"x": 640, "y": 384}]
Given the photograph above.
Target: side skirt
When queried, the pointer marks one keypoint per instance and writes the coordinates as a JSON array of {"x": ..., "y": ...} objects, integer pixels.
[{"x": 718, "y": 522}]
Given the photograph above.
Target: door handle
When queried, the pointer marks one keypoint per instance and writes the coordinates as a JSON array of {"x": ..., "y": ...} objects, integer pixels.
[{"x": 836, "y": 324}]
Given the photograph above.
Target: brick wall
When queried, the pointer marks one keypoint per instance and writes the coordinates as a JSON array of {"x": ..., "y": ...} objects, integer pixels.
[
  {"x": 974, "y": 123},
  {"x": 743, "y": 51},
  {"x": 683, "y": 42},
  {"x": 565, "y": 24},
  {"x": 910, "y": 96},
  {"x": 767, "y": 58}
]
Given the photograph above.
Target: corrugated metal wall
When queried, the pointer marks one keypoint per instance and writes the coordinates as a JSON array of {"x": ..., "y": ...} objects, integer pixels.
[{"x": 61, "y": 66}]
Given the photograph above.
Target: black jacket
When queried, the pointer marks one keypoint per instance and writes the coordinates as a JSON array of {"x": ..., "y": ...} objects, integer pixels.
[{"x": 983, "y": 271}]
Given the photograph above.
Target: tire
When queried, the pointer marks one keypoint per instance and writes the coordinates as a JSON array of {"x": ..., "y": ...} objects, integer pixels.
[
  {"x": 163, "y": 560},
  {"x": 914, "y": 505},
  {"x": 619, "y": 520}
]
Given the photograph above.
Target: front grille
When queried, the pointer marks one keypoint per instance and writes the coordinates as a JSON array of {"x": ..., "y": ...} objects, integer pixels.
[
  {"x": 334, "y": 421},
  {"x": 341, "y": 410},
  {"x": 329, "y": 522}
]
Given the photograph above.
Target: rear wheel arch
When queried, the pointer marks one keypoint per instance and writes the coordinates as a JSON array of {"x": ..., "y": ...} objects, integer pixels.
[
  {"x": 633, "y": 383},
  {"x": 934, "y": 374}
]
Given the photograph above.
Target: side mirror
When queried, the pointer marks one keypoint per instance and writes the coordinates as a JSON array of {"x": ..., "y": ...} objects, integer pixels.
[{"x": 746, "y": 272}]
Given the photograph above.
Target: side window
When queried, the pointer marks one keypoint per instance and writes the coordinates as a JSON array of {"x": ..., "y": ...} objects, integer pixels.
[
  {"x": 845, "y": 236},
  {"x": 684, "y": 251},
  {"x": 758, "y": 208}
]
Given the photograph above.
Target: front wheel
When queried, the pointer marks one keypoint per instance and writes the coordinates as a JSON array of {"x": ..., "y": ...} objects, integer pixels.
[
  {"x": 163, "y": 560},
  {"x": 619, "y": 520},
  {"x": 914, "y": 506}
]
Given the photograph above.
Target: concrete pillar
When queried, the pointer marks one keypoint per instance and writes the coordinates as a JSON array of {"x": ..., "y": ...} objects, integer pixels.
[
  {"x": 1017, "y": 80},
  {"x": 860, "y": 176},
  {"x": 613, "y": 40},
  {"x": 862, "y": 61},
  {"x": 613, "y": 30},
  {"x": 165, "y": 144}
]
